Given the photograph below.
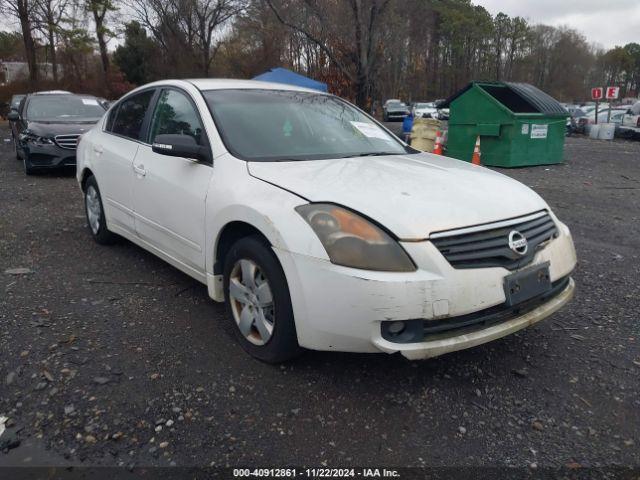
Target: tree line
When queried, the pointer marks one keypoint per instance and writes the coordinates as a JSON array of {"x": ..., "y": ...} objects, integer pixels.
[{"x": 365, "y": 50}]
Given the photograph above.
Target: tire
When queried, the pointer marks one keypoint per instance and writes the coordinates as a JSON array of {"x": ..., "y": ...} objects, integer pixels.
[
  {"x": 15, "y": 148},
  {"x": 94, "y": 212},
  {"x": 282, "y": 342},
  {"x": 29, "y": 169}
]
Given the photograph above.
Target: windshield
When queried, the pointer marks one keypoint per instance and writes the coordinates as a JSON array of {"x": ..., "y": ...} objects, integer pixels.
[
  {"x": 275, "y": 125},
  {"x": 424, "y": 105},
  {"x": 63, "y": 108}
]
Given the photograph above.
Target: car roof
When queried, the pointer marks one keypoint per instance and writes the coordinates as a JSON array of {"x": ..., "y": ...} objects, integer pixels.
[
  {"x": 52, "y": 92},
  {"x": 232, "y": 83}
]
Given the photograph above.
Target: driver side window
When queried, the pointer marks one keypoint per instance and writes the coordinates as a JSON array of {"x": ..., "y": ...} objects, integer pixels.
[{"x": 175, "y": 114}]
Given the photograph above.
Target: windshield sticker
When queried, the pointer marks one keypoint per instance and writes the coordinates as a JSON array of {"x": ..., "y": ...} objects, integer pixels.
[
  {"x": 370, "y": 130},
  {"x": 287, "y": 128},
  {"x": 90, "y": 101}
]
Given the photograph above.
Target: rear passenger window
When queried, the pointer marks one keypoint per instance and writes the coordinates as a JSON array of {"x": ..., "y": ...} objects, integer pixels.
[{"x": 130, "y": 115}]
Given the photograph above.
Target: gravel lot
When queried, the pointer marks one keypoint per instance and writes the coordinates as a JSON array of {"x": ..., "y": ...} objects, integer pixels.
[{"x": 109, "y": 356}]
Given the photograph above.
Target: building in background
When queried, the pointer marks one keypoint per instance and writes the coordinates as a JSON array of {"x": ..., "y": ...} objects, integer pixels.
[{"x": 13, "y": 71}]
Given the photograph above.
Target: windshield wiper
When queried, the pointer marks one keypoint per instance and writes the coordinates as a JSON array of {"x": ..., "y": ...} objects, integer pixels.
[{"x": 370, "y": 154}]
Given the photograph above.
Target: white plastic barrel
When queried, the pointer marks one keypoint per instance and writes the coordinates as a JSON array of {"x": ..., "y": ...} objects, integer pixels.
[{"x": 606, "y": 131}]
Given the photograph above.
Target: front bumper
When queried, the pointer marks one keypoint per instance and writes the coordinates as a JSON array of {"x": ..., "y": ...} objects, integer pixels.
[
  {"x": 48, "y": 156},
  {"x": 343, "y": 309},
  {"x": 630, "y": 132},
  {"x": 434, "y": 348}
]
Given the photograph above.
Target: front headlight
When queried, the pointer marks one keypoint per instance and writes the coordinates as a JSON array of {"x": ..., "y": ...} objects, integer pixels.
[
  {"x": 38, "y": 140},
  {"x": 353, "y": 241}
]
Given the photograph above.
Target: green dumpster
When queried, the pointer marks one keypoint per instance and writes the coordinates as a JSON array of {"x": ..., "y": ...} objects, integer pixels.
[{"x": 518, "y": 124}]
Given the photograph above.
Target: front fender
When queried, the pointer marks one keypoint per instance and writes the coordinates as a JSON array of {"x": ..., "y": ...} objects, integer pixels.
[{"x": 264, "y": 206}]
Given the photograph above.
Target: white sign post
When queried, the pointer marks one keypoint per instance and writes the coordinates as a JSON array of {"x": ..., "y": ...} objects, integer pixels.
[
  {"x": 597, "y": 94},
  {"x": 611, "y": 94}
]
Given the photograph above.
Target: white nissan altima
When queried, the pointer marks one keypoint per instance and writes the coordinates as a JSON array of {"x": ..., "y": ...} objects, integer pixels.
[{"x": 320, "y": 228}]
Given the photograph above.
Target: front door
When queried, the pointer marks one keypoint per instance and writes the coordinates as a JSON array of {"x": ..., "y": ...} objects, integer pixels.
[{"x": 170, "y": 192}]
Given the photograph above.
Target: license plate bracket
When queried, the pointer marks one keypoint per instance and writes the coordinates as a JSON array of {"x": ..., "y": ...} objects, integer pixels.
[{"x": 527, "y": 284}]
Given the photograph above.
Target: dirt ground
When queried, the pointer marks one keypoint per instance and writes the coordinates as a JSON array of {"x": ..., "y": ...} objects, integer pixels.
[{"x": 109, "y": 356}]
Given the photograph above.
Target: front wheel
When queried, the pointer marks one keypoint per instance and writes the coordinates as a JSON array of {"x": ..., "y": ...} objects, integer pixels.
[
  {"x": 16, "y": 149},
  {"x": 29, "y": 169},
  {"x": 259, "y": 303},
  {"x": 95, "y": 213}
]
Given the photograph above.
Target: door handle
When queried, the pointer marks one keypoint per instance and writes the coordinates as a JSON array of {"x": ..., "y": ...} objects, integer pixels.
[
  {"x": 140, "y": 170},
  {"x": 98, "y": 149}
]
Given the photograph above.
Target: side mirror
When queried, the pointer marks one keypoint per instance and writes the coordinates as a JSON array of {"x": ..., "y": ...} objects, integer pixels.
[
  {"x": 180, "y": 146},
  {"x": 13, "y": 116}
]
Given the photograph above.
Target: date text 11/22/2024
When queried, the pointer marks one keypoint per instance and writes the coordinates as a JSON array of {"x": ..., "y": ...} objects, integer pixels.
[{"x": 316, "y": 473}]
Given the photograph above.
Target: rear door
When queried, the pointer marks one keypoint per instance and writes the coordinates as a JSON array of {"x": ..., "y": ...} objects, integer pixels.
[
  {"x": 170, "y": 192},
  {"x": 114, "y": 150}
]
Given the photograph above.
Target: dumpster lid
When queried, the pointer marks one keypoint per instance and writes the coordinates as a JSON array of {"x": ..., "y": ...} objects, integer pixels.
[{"x": 517, "y": 97}]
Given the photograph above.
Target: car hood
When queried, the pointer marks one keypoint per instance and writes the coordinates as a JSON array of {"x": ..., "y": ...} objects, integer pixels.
[
  {"x": 51, "y": 129},
  {"x": 411, "y": 195}
]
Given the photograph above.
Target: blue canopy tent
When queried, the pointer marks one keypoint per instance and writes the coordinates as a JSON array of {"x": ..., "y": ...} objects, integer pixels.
[{"x": 282, "y": 75}]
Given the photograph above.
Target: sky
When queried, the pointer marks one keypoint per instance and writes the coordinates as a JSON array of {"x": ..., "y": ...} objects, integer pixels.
[{"x": 604, "y": 22}]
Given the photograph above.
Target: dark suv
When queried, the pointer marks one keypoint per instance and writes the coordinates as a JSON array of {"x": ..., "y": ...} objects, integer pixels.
[{"x": 48, "y": 126}]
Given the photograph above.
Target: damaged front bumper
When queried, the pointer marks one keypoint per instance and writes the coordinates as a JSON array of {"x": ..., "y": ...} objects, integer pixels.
[
  {"x": 480, "y": 333},
  {"x": 344, "y": 309}
]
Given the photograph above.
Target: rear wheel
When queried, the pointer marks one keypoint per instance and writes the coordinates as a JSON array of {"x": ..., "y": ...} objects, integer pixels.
[
  {"x": 95, "y": 213},
  {"x": 259, "y": 303}
]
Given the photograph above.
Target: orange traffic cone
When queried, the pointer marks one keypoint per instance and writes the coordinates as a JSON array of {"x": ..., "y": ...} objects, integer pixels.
[
  {"x": 437, "y": 147},
  {"x": 475, "y": 159}
]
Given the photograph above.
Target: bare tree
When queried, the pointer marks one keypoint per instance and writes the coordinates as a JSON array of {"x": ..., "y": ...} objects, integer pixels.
[
  {"x": 99, "y": 10},
  {"x": 23, "y": 11},
  {"x": 347, "y": 32},
  {"x": 210, "y": 14},
  {"x": 48, "y": 17},
  {"x": 191, "y": 24}
]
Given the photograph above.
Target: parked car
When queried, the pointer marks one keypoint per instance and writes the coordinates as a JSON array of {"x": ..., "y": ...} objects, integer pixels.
[
  {"x": 47, "y": 128},
  {"x": 424, "y": 108},
  {"x": 394, "y": 110},
  {"x": 14, "y": 105},
  {"x": 611, "y": 115},
  {"x": 630, "y": 125},
  {"x": 443, "y": 114},
  {"x": 577, "y": 126},
  {"x": 15, "y": 101},
  {"x": 317, "y": 225}
]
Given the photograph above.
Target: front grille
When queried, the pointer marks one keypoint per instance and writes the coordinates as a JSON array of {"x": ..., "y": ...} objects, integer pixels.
[
  {"x": 489, "y": 246},
  {"x": 67, "y": 141}
]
